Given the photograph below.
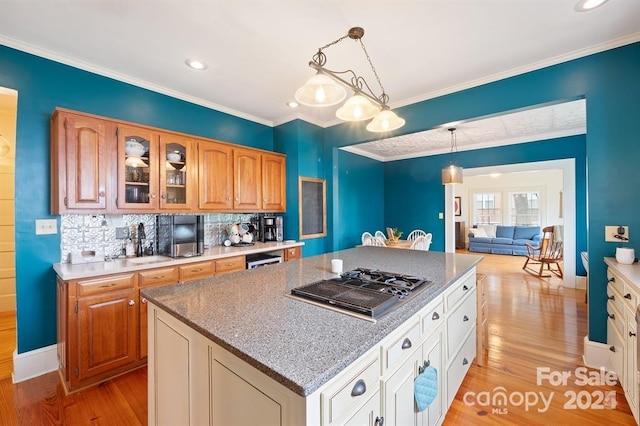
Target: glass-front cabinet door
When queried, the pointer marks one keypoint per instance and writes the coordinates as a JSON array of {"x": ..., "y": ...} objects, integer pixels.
[
  {"x": 137, "y": 168},
  {"x": 177, "y": 172}
]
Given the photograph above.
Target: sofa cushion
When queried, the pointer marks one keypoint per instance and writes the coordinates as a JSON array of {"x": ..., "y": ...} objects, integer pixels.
[
  {"x": 478, "y": 232},
  {"x": 489, "y": 229},
  {"x": 507, "y": 241},
  {"x": 503, "y": 231},
  {"x": 525, "y": 241},
  {"x": 526, "y": 232},
  {"x": 483, "y": 240}
]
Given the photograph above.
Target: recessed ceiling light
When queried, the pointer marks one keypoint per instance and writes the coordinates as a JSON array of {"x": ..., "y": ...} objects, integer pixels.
[
  {"x": 195, "y": 64},
  {"x": 586, "y": 5},
  {"x": 293, "y": 104}
]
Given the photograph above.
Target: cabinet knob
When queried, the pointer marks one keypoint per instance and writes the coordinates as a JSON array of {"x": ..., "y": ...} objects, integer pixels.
[
  {"x": 152, "y": 196},
  {"x": 631, "y": 334},
  {"x": 465, "y": 288},
  {"x": 612, "y": 316},
  {"x": 132, "y": 302},
  {"x": 612, "y": 297},
  {"x": 435, "y": 316},
  {"x": 612, "y": 279},
  {"x": 465, "y": 361},
  {"x": 424, "y": 366},
  {"x": 406, "y": 344},
  {"x": 237, "y": 199},
  {"x": 612, "y": 348},
  {"x": 359, "y": 388},
  {"x": 101, "y": 194},
  {"x": 144, "y": 300},
  {"x": 465, "y": 318},
  {"x": 228, "y": 198},
  {"x": 379, "y": 421},
  {"x": 627, "y": 296},
  {"x": 163, "y": 196}
]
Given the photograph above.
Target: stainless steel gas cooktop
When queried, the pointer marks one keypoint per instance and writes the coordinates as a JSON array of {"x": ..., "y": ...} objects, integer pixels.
[{"x": 366, "y": 293}]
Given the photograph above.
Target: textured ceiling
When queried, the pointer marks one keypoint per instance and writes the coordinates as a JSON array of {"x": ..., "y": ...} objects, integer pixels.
[
  {"x": 530, "y": 125},
  {"x": 257, "y": 51}
]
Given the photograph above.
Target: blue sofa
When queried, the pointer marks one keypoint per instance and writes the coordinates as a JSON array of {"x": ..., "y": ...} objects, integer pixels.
[{"x": 508, "y": 240}]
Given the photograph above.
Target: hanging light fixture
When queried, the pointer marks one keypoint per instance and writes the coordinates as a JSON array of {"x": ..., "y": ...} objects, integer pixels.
[
  {"x": 328, "y": 88},
  {"x": 452, "y": 174}
]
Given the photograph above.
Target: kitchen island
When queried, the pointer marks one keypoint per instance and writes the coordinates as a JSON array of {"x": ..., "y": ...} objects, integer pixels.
[{"x": 236, "y": 349}]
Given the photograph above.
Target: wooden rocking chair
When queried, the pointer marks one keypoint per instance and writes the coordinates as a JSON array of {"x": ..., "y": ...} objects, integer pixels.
[{"x": 548, "y": 253}]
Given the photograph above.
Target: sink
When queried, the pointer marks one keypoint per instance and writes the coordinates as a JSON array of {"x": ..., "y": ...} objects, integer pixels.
[{"x": 148, "y": 259}]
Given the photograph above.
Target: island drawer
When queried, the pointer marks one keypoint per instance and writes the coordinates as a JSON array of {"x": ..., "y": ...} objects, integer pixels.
[
  {"x": 460, "y": 322},
  {"x": 292, "y": 253},
  {"x": 230, "y": 264},
  {"x": 402, "y": 346},
  {"x": 615, "y": 316},
  {"x": 197, "y": 270},
  {"x": 456, "y": 293},
  {"x": 630, "y": 298},
  {"x": 432, "y": 318},
  {"x": 158, "y": 276},
  {"x": 459, "y": 367},
  {"x": 352, "y": 389},
  {"x": 615, "y": 297},
  {"x": 615, "y": 281},
  {"x": 104, "y": 284}
]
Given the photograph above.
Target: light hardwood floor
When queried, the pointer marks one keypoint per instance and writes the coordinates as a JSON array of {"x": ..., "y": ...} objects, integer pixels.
[{"x": 532, "y": 323}]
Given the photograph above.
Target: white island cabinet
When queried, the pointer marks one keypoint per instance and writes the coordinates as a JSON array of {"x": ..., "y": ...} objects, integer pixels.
[{"x": 198, "y": 377}]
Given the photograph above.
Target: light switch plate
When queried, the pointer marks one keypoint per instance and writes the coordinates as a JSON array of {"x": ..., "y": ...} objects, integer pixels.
[
  {"x": 616, "y": 233},
  {"x": 46, "y": 226}
]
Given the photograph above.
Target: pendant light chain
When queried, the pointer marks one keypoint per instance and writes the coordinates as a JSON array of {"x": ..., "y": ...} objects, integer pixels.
[{"x": 383, "y": 97}]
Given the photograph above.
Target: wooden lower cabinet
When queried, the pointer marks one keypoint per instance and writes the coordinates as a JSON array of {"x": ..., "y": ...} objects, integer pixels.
[{"x": 292, "y": 253}]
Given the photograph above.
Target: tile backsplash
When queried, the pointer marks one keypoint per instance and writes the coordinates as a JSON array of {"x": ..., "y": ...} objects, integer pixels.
[{"x": 98, "y": 232}]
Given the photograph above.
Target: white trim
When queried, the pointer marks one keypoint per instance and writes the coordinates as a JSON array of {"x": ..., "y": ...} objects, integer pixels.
[
  {"x": 581, "y": 283},
  {"x": 34, "y": 363},
  {"x": 596, "y": 355},
  {"x": 568, "y": 206}
]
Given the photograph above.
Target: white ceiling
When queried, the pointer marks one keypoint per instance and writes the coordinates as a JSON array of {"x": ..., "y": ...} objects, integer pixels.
[{"x": 257, "y": 51}]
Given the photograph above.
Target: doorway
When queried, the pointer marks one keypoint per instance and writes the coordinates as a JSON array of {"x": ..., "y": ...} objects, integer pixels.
[{"x": 8, "y": 114}]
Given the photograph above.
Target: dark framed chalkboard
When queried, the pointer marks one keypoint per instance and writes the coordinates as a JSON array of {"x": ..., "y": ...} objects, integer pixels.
[{"x": 312, "y": 195}]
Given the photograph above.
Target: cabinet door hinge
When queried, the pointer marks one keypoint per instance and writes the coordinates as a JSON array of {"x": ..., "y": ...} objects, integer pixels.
[
  {"x": 64, "y": 124},
  {"x": 76, "y": 307},
  {"x": 65, "y": 202},
  {"x": 77, "y": 371}
]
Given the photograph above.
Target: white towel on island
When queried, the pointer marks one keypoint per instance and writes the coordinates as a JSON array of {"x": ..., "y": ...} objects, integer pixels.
[{"x": 558, "y": 232}]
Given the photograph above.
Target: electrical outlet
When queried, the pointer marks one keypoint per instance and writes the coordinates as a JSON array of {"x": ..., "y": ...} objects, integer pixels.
[
  {"x": 617, "y": 233},
  {"x": 122, "y": 233},
  {"x": 440, "y": 215},
  {"x": 46, "y": 226}
]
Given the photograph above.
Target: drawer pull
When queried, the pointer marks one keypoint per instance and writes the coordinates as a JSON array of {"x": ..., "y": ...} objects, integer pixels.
[
  {"x": 406, "y": 344},
  {"x": 359, "y": 388},
  {"x": 612, "y": 348},
  {"x": 632, "y": 334},
  {"x": 627, "y": 296},
  {"x": 612, "y": 297},
  {"x": 379, "y": 421},
  {"x": 108, "y": 285},
  {"x": 132, "y": 302},
  {"x": 612, "y": 316},
  {"x": 612, "y": 279},
  {"x": 465, "y": 361},
  {"x": 465, "y": 318},
  {"x": 435, "y": 316},
  {"x": 197, "y": 270},
  {"x": 465, "y": 288},
  {"x": 158, "y": 277},
  {"x": 424, "y": 366}
]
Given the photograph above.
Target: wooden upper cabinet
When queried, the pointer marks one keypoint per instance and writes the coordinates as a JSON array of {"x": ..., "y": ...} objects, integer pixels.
[
  {"x": 178, "y": 173},
  {"x": 247, "y": 180},
  {"x": 79, "y": 163},
  {"x": 137, "y": 175},
  {"x": 215, "y": 176},
  {"x": 273, "y": 182}
]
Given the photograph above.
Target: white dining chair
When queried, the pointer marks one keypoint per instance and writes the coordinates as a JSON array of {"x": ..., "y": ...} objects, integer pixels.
[
  {"x": 415, "y": 234},
  {"x": 380, "y": 235},
  {"x": 365, "y": 236},
  {"x": 422, "y": 242},
  {"x": 374, "y": 241}
]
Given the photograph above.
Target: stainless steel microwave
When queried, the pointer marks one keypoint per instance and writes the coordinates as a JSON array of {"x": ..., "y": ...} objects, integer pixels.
[{"x": 180, "y": 235}]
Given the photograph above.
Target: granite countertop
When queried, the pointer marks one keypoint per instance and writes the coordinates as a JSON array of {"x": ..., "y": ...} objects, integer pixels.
[
  {"x": 630, "y": 272},
  {"x": 67, "y": 271},
  {"x": 298, "y": 344}
]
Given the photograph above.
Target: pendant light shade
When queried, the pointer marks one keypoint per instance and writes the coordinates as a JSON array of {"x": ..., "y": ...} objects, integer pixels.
[
  {"x": 357, "y": 108},
  {"x": 385, "y": 121},
  {"x": 452, "y": 174},
  {"x": 321, "y": 91}
]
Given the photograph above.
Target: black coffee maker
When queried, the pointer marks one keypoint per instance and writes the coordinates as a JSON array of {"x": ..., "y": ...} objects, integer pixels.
[{"x": 271, "y": 228}]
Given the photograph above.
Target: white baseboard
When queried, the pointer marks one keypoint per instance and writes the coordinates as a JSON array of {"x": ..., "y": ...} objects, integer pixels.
[
  {"x": 581, "y": 283},
  {"x": 596, "y": 355},
  {"x": 34, "y": 363}
]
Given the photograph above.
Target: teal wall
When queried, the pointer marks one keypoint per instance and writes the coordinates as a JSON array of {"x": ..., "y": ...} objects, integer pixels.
[
  {"x": 609, "y": 83},
  {"x": 43, "y": 85}
]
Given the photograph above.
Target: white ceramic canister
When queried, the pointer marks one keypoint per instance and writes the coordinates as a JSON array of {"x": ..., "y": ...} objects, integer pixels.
[{"x": 625, "y": 255}]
